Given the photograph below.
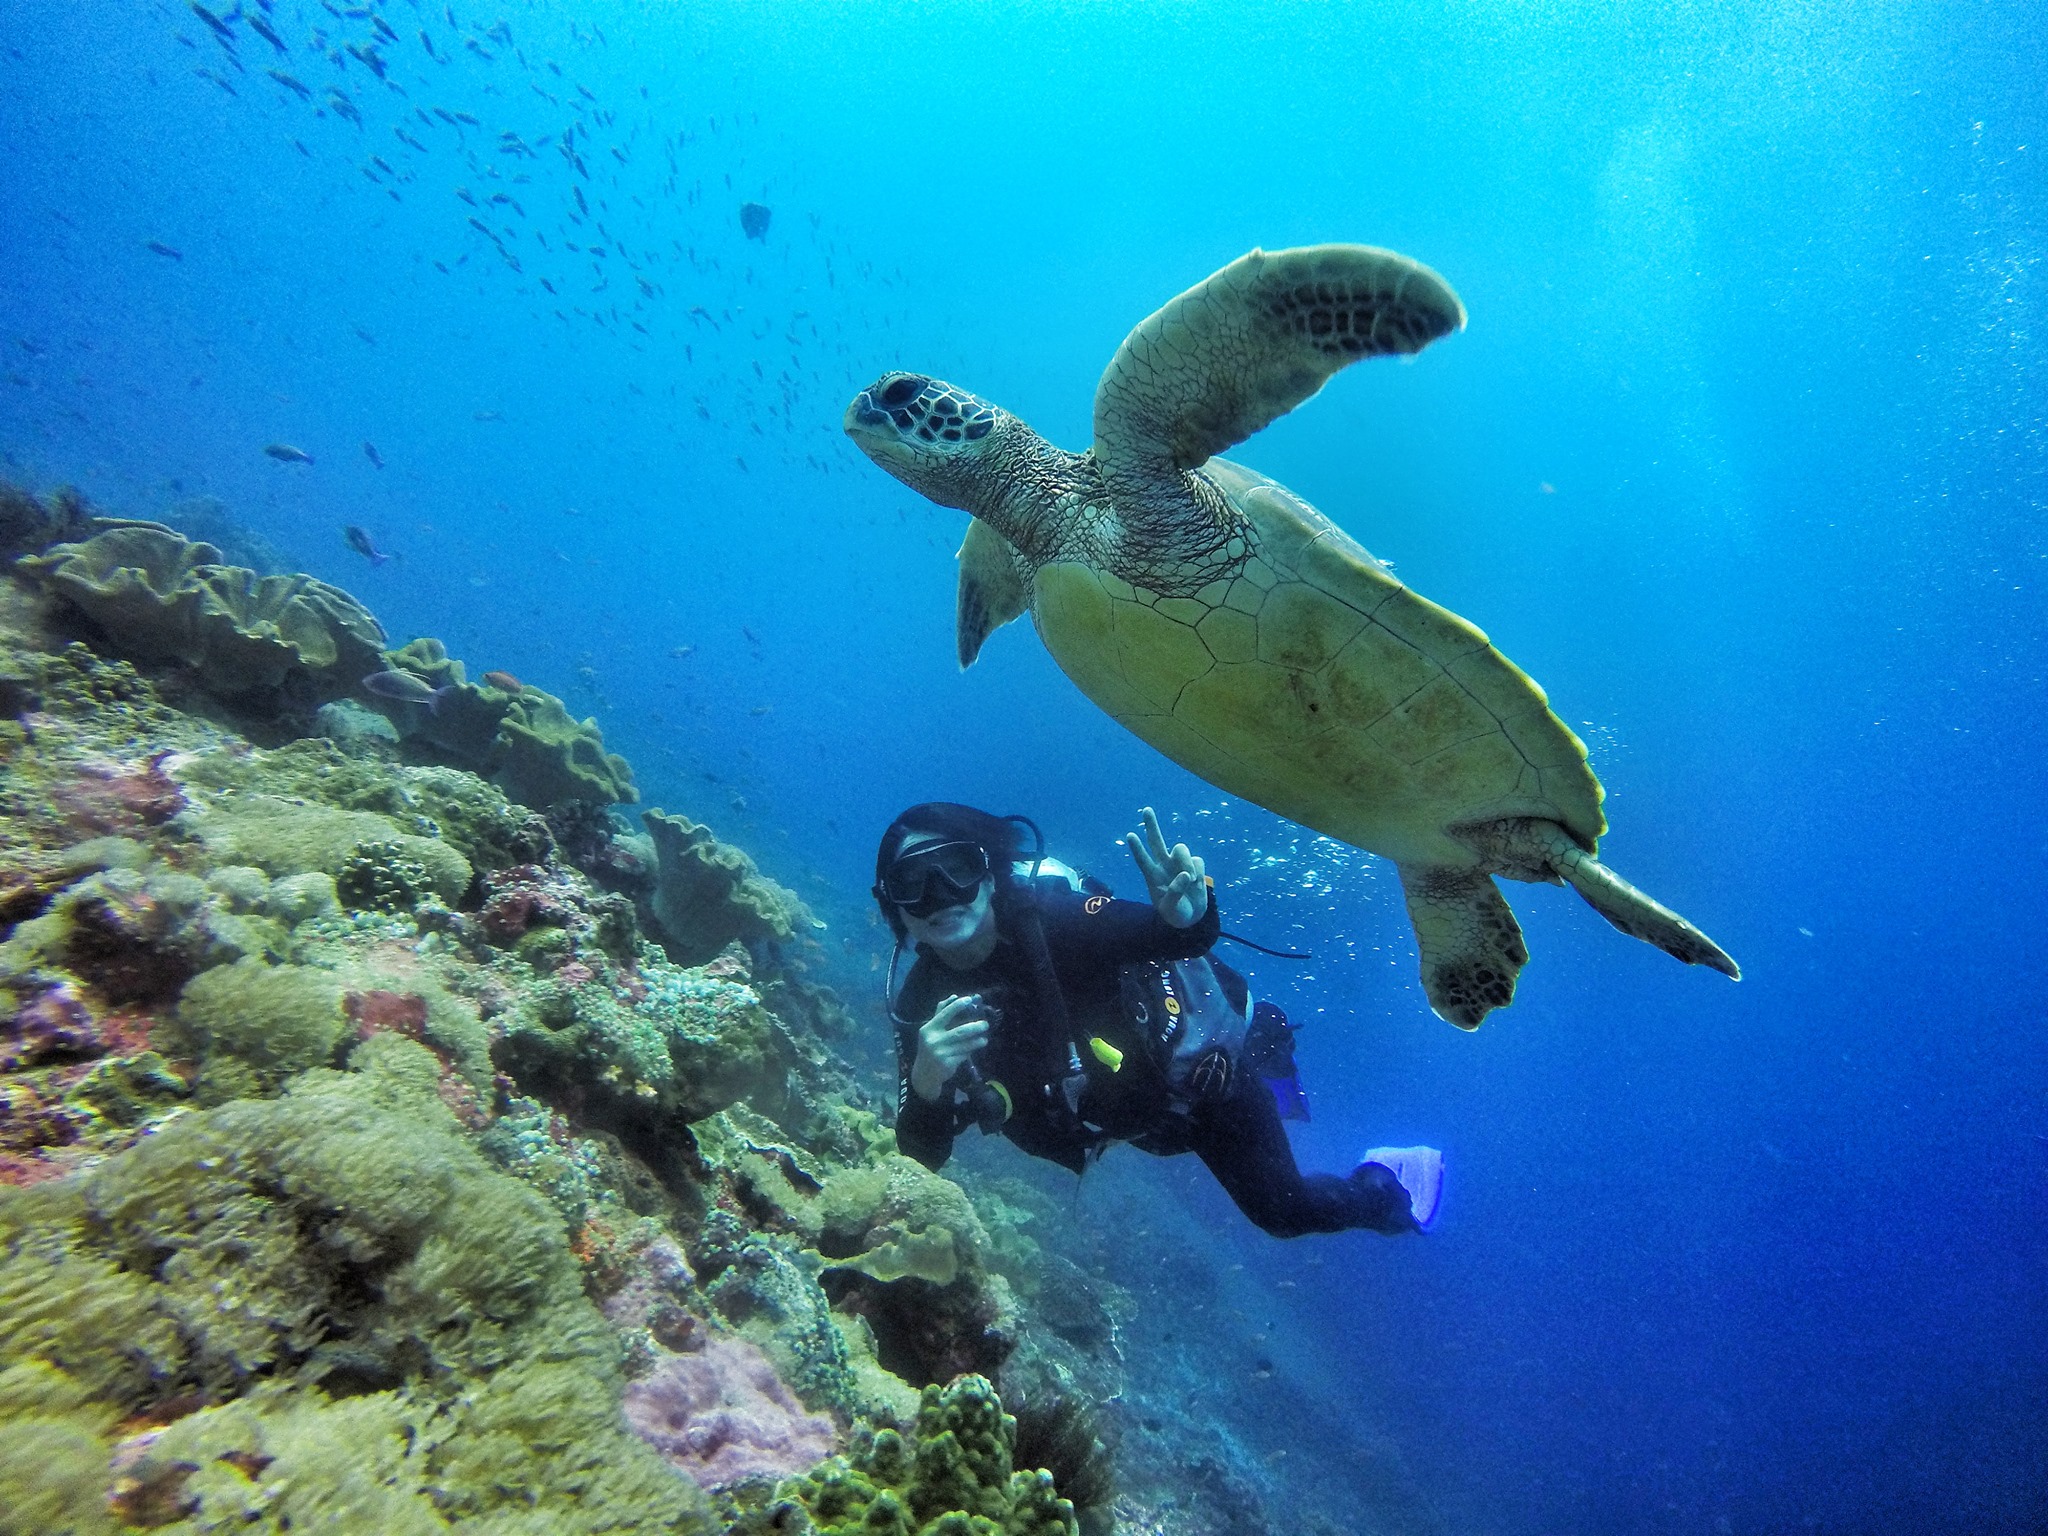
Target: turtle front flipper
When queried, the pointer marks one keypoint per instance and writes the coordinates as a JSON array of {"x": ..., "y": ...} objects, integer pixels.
[
  {"x": 1471, "y": 945},
  {"x": 993, "y": 589},
  {"x": 1634, "y": 913},
  {"x": 1248, "y": 345}
]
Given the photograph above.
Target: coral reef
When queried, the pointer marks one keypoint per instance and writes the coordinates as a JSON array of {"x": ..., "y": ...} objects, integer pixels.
[
  {"x": 285, "y": 837},
  {"x": 523, "y": 740},
  {"x": 909, "y": 1256},
  {"x": 380, "y": 1153},
  {"x": 161, "y": 597},
  {"x": 471, "y": 816},
  {"x": 29, "y": 523},
  {"x": 679, "y": 1046},
  {"x": 953, "y": 1474},
  {"x": 708, "y": 894},
  {"x": 721, "y": 1414},
  {"x": 271, "y": 1275}
]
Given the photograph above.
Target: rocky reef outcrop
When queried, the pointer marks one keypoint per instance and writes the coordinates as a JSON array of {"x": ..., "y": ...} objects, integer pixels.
[{"x": 393, "y": 1140}]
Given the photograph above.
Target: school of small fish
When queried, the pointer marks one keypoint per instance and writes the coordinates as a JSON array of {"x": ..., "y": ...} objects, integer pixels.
[{"x": 552, "y": 178}]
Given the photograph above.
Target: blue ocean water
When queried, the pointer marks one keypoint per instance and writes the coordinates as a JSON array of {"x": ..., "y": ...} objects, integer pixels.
[{"x": 1744, "y": 457}]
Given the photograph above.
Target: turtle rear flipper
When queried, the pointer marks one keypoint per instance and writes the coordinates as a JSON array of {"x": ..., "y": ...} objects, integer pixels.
[
  {"x": 1471, "y": 945},
  {"x": 1634, "y": 913}
]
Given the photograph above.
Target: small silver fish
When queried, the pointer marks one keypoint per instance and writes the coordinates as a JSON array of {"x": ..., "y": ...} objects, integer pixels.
[
  {"x": 358, "y": 539},
  {"x": 406, "y": 688},
  {"x": 285, "y": 453}
]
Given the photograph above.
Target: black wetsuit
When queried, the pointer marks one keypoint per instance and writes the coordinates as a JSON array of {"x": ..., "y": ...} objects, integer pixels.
[{"x": 1089, "y": 939}]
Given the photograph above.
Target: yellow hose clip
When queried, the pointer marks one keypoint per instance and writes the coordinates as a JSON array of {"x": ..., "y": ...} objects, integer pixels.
[{"x": 1107, "y": 1054}]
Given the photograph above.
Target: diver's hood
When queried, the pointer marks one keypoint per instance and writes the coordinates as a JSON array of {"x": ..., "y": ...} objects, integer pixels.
[{"x": 1043, "y": 867}]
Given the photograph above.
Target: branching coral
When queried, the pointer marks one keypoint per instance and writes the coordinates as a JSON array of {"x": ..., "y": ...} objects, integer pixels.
[{"x": 952, "y": 1476}]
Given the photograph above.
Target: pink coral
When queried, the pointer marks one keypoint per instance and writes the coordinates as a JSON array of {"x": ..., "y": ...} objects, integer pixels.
[
  {"x": 721, "y": 1415},
  {"x": 403, "y": 1013},
  {"x": 119, "y": 797},
  {"x": 525, "y": 897}
]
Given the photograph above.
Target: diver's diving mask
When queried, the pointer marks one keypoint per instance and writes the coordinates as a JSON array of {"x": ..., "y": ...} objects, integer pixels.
[{"x": 934, "y": 876}]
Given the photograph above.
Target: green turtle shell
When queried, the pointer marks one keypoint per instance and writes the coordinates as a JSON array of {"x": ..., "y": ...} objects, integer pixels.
[{"x": 1315, "y": 684}]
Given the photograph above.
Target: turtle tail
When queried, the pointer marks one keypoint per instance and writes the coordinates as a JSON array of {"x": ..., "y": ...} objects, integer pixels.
[{"x": 1634, "y": 913}]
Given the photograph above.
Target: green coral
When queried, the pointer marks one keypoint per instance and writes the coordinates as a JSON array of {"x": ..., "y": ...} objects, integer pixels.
[
  {"x": 162, "y": 597},
  {"x": 546, "y": 755},
  {"x": 53, "y": 1455},
  {"x": 76, "y": 680},
  {"x": 952, "y": 1476},
  {"x": 380, "y": 877},
  {"x": 525, "y": 741},
  {"x": 692, "y": 1045},
  {"x": 895, "y": 1218},
  {"x": 394, "y": 1333},
  {"x": 291, "y": 837},
  {"x": 251, "y": 1025},
  {"x": 136, "y": 935},
  {"x": 470, "y": 815},
  {"x": 708, "y": 894}
]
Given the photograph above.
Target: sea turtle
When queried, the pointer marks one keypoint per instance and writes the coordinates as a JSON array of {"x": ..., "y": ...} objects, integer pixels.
[{"x": 1246, "y": 636}]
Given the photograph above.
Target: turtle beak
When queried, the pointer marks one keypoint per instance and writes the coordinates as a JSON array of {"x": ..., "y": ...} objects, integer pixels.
[{"x": 864, "y": 413}]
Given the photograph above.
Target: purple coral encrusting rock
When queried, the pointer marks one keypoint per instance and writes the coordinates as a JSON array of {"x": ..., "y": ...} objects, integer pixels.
[
  {"x": 722, "y": 1416},
  {"x": 53, "y": 1023}
]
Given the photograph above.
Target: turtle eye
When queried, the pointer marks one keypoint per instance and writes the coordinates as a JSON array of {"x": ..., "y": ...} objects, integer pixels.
[{"x": 902, "y": 390}]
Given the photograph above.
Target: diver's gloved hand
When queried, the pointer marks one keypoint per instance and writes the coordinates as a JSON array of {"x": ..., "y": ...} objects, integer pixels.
[
  {"x": 944, "y": 1041},
  {"x": 1175, "y": 877}
]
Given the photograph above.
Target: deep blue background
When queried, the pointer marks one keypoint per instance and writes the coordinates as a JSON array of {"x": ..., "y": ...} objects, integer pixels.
[{"x": 1743, "y": 457}]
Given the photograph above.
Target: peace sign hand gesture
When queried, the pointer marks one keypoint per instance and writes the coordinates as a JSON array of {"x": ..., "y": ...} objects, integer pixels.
[{"x": 1173, "y": 875}]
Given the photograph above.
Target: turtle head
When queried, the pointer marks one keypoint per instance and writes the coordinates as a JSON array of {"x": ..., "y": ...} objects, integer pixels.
[{"x": 931, "y": 435}]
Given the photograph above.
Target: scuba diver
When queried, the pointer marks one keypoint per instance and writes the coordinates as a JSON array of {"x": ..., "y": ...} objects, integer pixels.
[{"x": 1043, "y": 1009}]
